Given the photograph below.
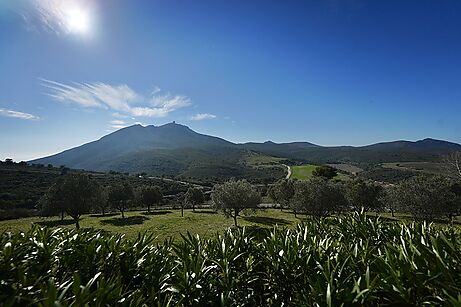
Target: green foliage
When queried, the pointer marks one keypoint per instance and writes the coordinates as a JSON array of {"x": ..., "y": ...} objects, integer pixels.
[
  {"x": 151, "y": 195},
  {"x": 429, "y": 197},
  {"x": 325, "y": 171},
  {"x": 364, "y": 194},
  {"x": 348, "y": 260},
  {"x": 120, "y": 197},
  {"x": 22, "y": 186},
  {"x": 74, "y": 194},
  {"x": 233, "y": 197},
  {"x": 194, "y": 197},
  {"x": 282, "y": 192},
  {"x": 318, "y": 197}
]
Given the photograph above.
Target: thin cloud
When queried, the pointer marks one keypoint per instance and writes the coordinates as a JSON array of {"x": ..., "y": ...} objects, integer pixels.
[
  {"x": 120, "y": 99},
  {"x": 202, "y": 116},
  {"x": 17, "y": 114},
  {"x": 118, "y": 124}
]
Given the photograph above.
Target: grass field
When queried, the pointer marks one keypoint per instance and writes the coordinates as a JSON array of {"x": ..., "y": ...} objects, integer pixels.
[
  {"x": 161, "y": 223},
  {"x": 304, "y": 172}
]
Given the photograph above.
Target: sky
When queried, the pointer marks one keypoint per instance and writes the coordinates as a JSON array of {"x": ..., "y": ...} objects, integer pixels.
[{"x": 333, "y": 72}]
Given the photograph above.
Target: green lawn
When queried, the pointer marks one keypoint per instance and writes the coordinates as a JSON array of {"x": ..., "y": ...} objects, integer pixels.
[
  {"x": 169, "y": 223},
  {"x": 163, "y": 224},
  {"x": 304, "y": 172}
]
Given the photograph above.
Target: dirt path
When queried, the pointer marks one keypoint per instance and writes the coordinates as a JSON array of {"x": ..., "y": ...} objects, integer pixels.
[{"x": 289, "y": 171}]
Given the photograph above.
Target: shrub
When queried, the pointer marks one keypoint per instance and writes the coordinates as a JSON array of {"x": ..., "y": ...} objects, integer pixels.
[{"x": 348, "y": 260}]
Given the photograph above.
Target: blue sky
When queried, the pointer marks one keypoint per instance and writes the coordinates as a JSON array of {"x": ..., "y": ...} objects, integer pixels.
[{"x": 330, "y": 72}]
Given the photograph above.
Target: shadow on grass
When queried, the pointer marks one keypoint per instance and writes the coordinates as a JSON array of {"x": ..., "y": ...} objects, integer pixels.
[
  {"x": 55, "y": 223},
  {"x": 205, "y": 211},
  {"x": 131, "y": 220},
  {"x": 268, "y": 221},
  {"x": 105, "y": 215}
]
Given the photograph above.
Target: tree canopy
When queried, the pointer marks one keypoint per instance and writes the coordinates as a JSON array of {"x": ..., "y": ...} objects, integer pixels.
[
  {"x": 233, "y": 197},
  {"x": 325, "y": 171}
]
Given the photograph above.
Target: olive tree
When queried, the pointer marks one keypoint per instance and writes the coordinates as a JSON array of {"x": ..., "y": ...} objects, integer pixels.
[
  {"x": 318, "y": 197},
  {"x": 151, "y": 195},
  {"x": 364, "y": 195},
  {"x": 452, "y": 163},
  {"x": 282, "y": 192},
  {"x": 233, "y": 197},
  {"x": 101, "y": 203},
  {"x": 74, "y": 194},
  {"x": 390, "y": 199},
  {"x": 428, "y": 197},
  {"x": 120, "y": 196},
  {"x": 194, "y": 197}
]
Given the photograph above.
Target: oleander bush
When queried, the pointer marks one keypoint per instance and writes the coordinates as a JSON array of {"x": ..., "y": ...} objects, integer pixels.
[{"x": 343, "y": 260}]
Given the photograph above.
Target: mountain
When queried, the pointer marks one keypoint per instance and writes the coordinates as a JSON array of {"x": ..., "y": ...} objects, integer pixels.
[
  {"x": 170, "y": 149},
  {"x": 175, "y": 149}
]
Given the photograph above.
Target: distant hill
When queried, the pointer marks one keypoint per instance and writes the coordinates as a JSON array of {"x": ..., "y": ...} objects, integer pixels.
[{"x": 174, "y": 149}]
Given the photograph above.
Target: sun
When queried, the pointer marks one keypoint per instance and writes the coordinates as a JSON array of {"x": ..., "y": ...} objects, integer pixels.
[{"x": 77, "y": 20}]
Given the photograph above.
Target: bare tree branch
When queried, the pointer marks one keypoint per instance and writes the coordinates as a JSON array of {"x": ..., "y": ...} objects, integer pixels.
[{"x": 453, "y": 163}]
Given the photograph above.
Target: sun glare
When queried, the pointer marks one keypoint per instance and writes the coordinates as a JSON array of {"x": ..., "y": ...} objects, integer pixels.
[{"x": 78, "y": 20}]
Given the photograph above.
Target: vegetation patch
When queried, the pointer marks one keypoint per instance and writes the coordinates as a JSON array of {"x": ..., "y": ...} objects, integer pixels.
[
  {"x": 305, "y": 172},
  {"x": 349, "y": 260}
]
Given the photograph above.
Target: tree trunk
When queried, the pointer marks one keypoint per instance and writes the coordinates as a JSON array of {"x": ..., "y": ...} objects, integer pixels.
[
  {"x": 182, "y": 211},
  {"x": 62, "y": 215},
  {"x": 103, "y": 211},
  {"x": 148, "y": 208},
  {"x": 295, "y": 213},
  {"x": 392, "y": 212},
  {"x": 193, "y": 207},
  {"x": 77, "y": 224},
  {"x": 123, "y": 214},
  {"x": 235, "y": 220}
]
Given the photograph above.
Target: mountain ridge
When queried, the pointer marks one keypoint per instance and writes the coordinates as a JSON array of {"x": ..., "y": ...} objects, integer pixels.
[{"x": 174, "y": 149}]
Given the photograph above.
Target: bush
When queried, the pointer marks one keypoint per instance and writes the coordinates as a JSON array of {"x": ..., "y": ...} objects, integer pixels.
[{"x": 348, "y": 260}]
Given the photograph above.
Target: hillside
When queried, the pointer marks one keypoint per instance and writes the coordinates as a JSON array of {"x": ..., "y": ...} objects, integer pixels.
[{"x": 176, "y": 150}]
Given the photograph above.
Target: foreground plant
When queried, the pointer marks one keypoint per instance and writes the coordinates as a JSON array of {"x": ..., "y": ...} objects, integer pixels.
[{"x": 350, "y": 260}]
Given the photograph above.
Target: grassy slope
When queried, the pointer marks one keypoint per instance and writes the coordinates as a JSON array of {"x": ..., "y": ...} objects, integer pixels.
[
  {"x": 304, "y": 172},
  {"x": 255, "y": 159},
  {"x": 163, "y": 224}
]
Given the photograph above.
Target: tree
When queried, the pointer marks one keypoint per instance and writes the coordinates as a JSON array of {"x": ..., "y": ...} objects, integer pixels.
[
  {"x": 325, "y": 171},
  {"x": 390, "y": 199},
  {"x": 74, "y": 194},
  {"x": 318, "y": 197},
  {"x": 102, "y": 199},
  {"x": 151, "y": 195},
  {"x": 194, "y": 197},
  {"x": 233, "y": 197},
  {"x": 51, "y": 203},
  {"x": 300, "y": 197},
  {"x": 428, "y": 197},
  {"x": 364, "y": 194},
  {"x": 120, "y": 196},
  {"x": 452, "y": 163},
  {"x": 180, "y": 198},
  {"x": 282, "y": 192}
]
